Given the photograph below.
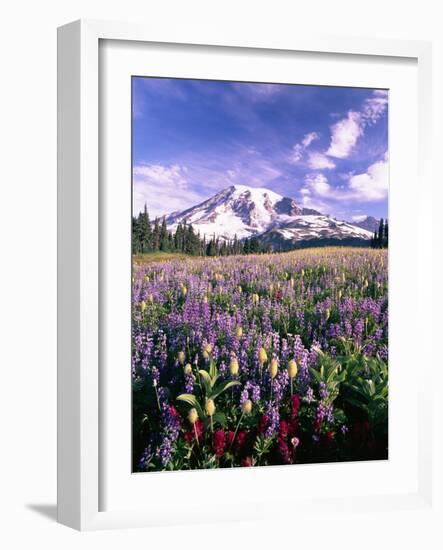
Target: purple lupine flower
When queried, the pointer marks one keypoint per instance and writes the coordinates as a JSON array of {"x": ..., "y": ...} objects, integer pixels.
[{"x": 274, "y": 419}]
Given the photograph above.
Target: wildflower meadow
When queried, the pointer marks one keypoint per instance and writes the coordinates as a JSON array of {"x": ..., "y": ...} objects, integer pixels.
[{"x": 260, "y": 360}]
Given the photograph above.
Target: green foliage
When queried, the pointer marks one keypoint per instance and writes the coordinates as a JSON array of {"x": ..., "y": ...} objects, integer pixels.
[
  {"x": 380, "y": 238},
  {"x": 211, "y": 388},
  {"x": 329, "y": 372},
  {"x": 262, "y": 448}
]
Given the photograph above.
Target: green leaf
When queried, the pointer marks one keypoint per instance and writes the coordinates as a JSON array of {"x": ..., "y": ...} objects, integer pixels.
[
  {"x": 219, "y": 418},
  {"x": 213, "y": 371},
  {"x": 192, "y": 400},
  {"x": 315, "y": 374},
  {"x": 223, "y": 386},
  {"x": 206, "y": 382}
]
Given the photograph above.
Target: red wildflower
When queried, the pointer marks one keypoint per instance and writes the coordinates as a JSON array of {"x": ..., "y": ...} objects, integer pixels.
[
  {"x": 283, "y": 450},
  {"x": 229, "y": 437},
  {"x": 199, "y": 428},
  {"x": 283, "y": 429},
  {"x": 295, "y": 402},
  {"x": 173, "y": 410},
  {"x": 240, "y": 440},
  {"x": 263, "y": 424},
  {"x": 293, "y": 427},
  {"x": 330, "y": 437},
  {"x": 218, "y": 443},
  {"x": 246, "y": 462},
  {"x": 189, "y": 436}
]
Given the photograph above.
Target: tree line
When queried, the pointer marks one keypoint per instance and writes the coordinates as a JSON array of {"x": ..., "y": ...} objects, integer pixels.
[
  {"x": 154, "y": 236},
  {"x": 380, "y": 239}
]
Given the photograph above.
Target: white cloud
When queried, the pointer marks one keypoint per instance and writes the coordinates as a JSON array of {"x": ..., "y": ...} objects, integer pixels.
[
  {"x": 346, "y": 132},
  {"x": 375, "y": 106},
  {"x": 163, "y": 188},
  {"x": 309, "y": 138},
  {"x": 372, "y": 185},
  {"x": 257, "y": 92},
  {"x": 344, "y": 135},
  {"x": 299, "y": 149},
  {"x": 369, "y": 186},
  {"x": 258, "y": 174},
  {"x": 297, "y": 153},
  {"x": 166, "y": 189},
  {"x": 319, "y": 161},
  {"x": 161, "y": 175},
  {"x": 318, "y": 184},
  {"x": 308, "y": 201}
]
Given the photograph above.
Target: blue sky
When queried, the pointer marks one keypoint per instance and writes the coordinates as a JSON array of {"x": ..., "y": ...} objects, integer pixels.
[{"x": 326, "y": 147}]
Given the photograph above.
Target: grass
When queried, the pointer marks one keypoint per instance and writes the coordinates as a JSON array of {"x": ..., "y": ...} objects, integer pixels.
[{"x": 142, "y": 259}]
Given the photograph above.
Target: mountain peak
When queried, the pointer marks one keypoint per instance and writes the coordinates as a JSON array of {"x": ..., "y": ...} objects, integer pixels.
[
  {"x": 244, "y": 211},
  {"x": 369, "y": 223}
]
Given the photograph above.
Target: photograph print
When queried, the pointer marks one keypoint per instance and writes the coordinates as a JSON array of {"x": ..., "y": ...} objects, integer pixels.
[{"x": 259, "y": 274}]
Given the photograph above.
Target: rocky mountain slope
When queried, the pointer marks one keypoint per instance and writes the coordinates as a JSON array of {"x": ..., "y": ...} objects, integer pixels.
[{"x": 257, "y": 212}]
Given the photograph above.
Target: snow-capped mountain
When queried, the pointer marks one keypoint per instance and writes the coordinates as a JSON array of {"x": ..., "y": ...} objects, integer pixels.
[{"x": 250, "y": 211}]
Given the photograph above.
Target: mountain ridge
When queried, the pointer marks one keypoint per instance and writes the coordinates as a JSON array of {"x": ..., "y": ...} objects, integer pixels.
[{"x": 246, "y": 212}]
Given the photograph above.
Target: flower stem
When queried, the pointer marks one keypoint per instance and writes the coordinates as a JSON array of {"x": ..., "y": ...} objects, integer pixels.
[{"x": 158, "y": 400}]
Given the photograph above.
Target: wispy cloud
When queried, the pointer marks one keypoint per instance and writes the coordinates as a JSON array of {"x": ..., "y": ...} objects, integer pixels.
[
  {"x": 374, "y": 107},
  {"x": 371, "y": 185},
  {"x": 257, "y": 92},
  {"x": 177, "y": 186},
  {"x": 192, "y": 138},
  {"x": 344, "y": 135},
  {"x": 319, "y": 161},
  {"x": 346, "y": 132},
  {"x": 163, "y": 188},
  {"x": 309, "y": 138},
  {"x": 368, "y": 186},
  {"x": 299, "y": 149}
]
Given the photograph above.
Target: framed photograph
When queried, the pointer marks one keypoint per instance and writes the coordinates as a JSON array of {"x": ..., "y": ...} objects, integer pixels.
[{"x": 233, "y": 276}]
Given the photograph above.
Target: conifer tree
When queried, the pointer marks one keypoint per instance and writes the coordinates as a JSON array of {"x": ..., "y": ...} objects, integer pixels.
[
  {"x": 164, "y": 241},
  {"x": 386, "y": 235},
  {"x": 380, "y": 233}
]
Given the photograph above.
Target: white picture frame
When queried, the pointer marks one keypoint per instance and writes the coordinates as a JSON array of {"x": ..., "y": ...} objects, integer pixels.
[{"x": 79, "y": 263}]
